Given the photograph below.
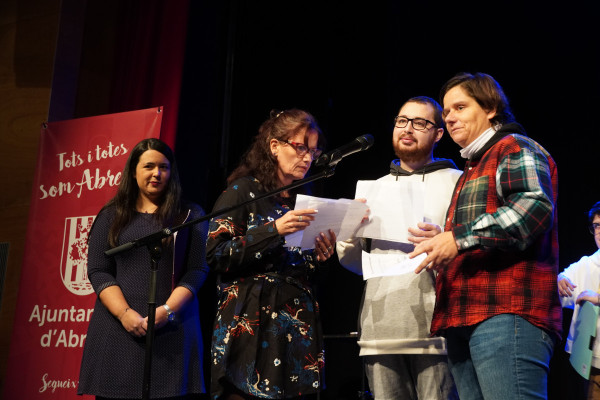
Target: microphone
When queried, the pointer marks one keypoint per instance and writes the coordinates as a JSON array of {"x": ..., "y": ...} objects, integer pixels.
[{"x": 332, "y": 158}]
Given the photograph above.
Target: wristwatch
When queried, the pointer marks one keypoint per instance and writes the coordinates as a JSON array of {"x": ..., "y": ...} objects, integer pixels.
[{"x": 170, "y": 313}]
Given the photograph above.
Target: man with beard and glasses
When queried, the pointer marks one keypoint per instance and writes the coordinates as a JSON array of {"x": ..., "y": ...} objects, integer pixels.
[{"x": 402, "y": 361}]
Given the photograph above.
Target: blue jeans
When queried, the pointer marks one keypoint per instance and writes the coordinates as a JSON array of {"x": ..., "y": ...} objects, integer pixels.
[{"x": 503, "y": 357}]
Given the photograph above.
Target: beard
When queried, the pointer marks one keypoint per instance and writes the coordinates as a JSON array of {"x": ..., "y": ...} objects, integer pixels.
[{"x": 413, "y": 154}]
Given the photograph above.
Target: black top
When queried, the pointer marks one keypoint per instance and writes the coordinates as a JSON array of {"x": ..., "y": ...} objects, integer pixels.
[{"x": 113, "y": 359}]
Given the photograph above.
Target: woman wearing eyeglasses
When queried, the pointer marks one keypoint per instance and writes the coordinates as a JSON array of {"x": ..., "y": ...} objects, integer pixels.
[
  {"x": 267, "y": 339},
  {"x": 578, "y": 283}
]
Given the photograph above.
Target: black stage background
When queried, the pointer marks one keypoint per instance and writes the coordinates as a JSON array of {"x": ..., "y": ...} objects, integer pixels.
[{"x": 352, "y": 65}]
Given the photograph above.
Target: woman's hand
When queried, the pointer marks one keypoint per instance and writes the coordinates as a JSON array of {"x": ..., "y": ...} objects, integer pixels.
[
  {"x": 325, "y": 246},
  {"x": 565, "y": 286},
  {"x": 160, "y": 318},
  {"x": 295, "y": 220},
  {"x": 113, "y": 299},
  {"x": 134, "y": 323}
]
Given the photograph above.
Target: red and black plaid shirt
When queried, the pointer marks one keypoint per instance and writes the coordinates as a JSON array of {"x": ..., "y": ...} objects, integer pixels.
[{"x": 503, "y": 217}]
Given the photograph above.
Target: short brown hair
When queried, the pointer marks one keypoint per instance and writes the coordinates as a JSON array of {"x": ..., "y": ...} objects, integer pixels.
[
  {"x": 486, "y": 92},
  {"x": 437, "y": 109}
]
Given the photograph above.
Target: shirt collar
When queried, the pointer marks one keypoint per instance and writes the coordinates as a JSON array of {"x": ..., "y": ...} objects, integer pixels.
[{"x": 478, "y": 143}]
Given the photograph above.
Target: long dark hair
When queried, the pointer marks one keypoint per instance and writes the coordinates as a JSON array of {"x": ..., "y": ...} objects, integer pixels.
[
  {"x": 124, "y": 202},
  {"x": 258, "y": 161}
]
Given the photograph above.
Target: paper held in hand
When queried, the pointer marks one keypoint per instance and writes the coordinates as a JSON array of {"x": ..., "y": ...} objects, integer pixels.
[
  {"x": 585, "y": 336},
  {"x": 394, "y": 206},
  {"x": 377, "y": 265},
  {"x": 342, "y": 216}
]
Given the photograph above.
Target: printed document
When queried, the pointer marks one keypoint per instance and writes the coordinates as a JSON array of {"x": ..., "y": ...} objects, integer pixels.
[
  {"x": 375, "y": 265},
  {"x": 342, "y": 216}
]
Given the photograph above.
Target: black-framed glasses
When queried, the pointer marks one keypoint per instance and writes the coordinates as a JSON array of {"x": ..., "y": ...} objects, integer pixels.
[
  {"x": 302, "y": 149},
  {"x": 419, "y": 124},
  {"x": 595, "y": 228}
]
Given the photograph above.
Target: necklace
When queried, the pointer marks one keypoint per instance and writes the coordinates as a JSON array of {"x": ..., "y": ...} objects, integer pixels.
[
  {"x": 146, "y": 207},
  {"x": 149, "y": 210}
]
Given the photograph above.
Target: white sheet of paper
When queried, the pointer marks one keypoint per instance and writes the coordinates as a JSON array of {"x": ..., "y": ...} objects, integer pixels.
[
  {"x": 342, "y": 216},
  {"x": 376, "y": 265},
  {"x": 394, "y": 207}
]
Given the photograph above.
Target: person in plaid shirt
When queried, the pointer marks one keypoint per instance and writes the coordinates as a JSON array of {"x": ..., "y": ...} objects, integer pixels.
[{"x": 497, "y": 259}]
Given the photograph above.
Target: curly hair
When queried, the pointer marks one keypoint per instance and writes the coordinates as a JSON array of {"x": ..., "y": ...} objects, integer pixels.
[
  {"x": 486, "y": 92},
  {"x": 124, "y": 202},
  {"x": 258, "y": 161}
]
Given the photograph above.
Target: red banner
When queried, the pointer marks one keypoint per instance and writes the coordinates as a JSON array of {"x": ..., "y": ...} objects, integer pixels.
[{"x": 78, "y": 170}]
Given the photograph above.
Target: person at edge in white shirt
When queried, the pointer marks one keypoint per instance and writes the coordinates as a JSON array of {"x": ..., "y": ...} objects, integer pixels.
[{"x": 580, "y": 282}]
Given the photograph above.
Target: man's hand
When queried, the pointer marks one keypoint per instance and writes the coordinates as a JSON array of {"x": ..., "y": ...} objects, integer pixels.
[
  {"x": 588, "y": 295},
  {"x": 565, "y": 286},
  {"x": 424, "y": 232}
]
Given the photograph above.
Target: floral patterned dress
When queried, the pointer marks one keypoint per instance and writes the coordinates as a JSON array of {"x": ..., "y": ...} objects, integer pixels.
[{"x": 267, "y": 338}]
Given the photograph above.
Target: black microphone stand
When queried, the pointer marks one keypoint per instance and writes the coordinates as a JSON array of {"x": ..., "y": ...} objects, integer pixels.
[{"x": 153, "y": 242}]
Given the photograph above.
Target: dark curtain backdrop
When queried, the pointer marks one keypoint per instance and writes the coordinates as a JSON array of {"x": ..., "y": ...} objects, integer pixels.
[
  {"x": 150, "y": 64},
  {"x": 132, "y": 58},
  {"x": 352, "y": 65},
  {"x": 220, "y": 67}
]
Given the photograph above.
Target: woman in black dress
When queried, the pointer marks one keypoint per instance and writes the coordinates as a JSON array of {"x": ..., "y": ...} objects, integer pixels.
[
  {"x": 267, "y": 340},
  {"x": 147, "y": 200}
]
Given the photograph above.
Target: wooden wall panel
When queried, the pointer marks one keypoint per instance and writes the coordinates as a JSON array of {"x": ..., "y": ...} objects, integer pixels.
[{"x": 28, "y": 29}]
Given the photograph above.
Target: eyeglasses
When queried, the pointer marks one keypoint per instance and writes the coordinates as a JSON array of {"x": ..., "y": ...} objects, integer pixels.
[
  {"x": 419, "y": 124},
  {"x": 595, "y": 228},
  {"x": 302, "y": 149}
]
